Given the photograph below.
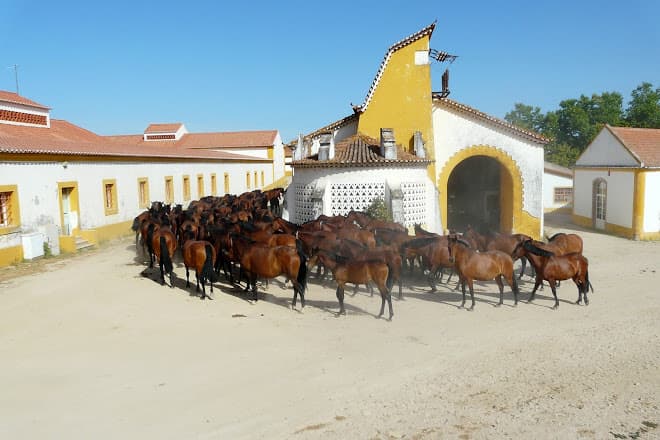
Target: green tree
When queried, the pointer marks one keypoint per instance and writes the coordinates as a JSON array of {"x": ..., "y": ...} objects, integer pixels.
[
  {"x": 644, "y": 108},
  {"x": 526, "y": 116},
  {"x": 379, "y": 210}
]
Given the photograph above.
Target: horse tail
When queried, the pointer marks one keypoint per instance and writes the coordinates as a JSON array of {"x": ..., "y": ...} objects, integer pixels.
[
  {"x": 587, "y": 283},
  {"x": 390, "y": 277},
  {"x": 208, "y": 271},
  {"x": 165, "y": 257},
  {"x": 302, "y": 272},
  {"x": 150, "y": 236},
  {"x": 136, "y": 224}
]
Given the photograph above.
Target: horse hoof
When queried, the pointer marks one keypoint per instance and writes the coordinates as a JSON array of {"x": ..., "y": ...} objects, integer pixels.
[
  {"x": 470, "y": 309},
  {"x": 578, "y": 302},
  {"x": 555, "y": 307},
  {"x": 498, "y": 304}
]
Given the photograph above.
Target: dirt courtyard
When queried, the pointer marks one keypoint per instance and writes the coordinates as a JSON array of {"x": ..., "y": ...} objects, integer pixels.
[{"x": 91, "y": 348}]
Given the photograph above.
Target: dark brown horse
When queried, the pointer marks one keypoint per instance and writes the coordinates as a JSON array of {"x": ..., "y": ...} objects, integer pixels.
[
  {"x": 258, "y": 260},
  {"x": 483, "y": 266},
  {"x": 507, "y": 243},
  {"x": 554, "y": 268},
  {"x": 164, "y": 244},
  {"x": 359, "y": 272},
  {"x": 367, "y": 222},
  {"x": 200, "y": 255}
]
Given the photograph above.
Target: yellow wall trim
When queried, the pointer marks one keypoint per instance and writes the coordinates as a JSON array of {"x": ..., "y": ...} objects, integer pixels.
[
  {"x": 11, "y": 255},
  {"x": 521, "y": 222},
  {"x": 638, "y": 204},
  {"x": 610, "y": 228}
]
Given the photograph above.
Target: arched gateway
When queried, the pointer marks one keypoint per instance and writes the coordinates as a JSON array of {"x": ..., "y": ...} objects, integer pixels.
[{"x": 483, "y": 189}]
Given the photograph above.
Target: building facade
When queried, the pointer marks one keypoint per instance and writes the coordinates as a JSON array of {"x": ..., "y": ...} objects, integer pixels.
[
  {"x": 617, "y": 183},
  {"x": 479, "y": 170},
  {"x": 63, "y": 185}
]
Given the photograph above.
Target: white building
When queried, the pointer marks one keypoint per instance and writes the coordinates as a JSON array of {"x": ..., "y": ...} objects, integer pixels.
[
  {"x": 557, "y": 188},
  {"x": 62, "y": 184},
  {"x": 617, "y": 183}
]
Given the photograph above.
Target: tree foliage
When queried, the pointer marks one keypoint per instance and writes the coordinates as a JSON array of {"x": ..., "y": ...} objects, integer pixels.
[
  {"x": 577, "y": 121},
  {"x": 378, "y": 209}
]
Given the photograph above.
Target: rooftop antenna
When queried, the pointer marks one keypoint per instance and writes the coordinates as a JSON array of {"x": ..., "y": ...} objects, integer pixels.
[{"x": 15, "y": 67}]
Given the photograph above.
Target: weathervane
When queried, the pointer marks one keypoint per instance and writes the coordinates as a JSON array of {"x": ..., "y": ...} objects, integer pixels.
[{"x": 15, "y": 67}]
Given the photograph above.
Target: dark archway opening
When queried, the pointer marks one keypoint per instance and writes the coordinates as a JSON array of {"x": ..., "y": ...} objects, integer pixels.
[{"x": 473, "y": 195}]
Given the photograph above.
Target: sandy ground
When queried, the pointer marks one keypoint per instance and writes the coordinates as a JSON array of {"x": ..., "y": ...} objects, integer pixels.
[{"x": 91, "y": 348}]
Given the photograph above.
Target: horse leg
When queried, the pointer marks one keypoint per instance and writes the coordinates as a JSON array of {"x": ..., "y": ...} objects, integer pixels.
[
  {"x": 253, "y": 279},
  {"x": 400, "y": 287},
  {"x": 554, "y": 293},
  {"x": 340, "y": 298},
  {"x": 523, "y": 263},
  {"x": 431, "y": 279},
  {"x": 187, "y": 277},
  {"x": 461, "y": 281},
  {"x": 469, "y": 281},
  {"x": 500, "y": 285},
  {"x": 539, "y": 282}
]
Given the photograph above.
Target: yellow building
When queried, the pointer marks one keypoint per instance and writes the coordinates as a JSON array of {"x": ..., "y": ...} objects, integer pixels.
[{"x": 480, "y": 170}]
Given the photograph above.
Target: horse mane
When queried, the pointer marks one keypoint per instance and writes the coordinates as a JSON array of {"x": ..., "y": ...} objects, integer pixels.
[
  {"x": 419, "y": 242},
  {"x": 536, "y": 250},
  {"x": 463, "y": 242},
  {"x": 556, "y": 235}
]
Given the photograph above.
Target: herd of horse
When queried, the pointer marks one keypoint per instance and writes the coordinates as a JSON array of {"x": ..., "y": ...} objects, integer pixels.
[{"x": 244, "y": 237}]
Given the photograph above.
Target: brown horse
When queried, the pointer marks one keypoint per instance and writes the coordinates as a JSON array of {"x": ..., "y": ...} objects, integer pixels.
[
  {"x": 367, "y": 222},
  {"x": 258, "y": 260},
  {"x": 200, "y": 255},
  {"x": 568, "y": 243},
  {"x": 554, "y": 268},
  {"x": 434, "y": 254},
  {"x": 507, "y": 243},
  {"x": 359, "y": 272},
  {"x": 484, "y": 266},
  {"x": 163, "y": 243}
]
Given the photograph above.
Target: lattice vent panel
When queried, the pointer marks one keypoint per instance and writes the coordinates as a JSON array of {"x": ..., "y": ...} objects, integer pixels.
[
  {"x": 354, "y": 196},
  {"x": 414, "y": 202},
  {"x": 304, "y": 203}
]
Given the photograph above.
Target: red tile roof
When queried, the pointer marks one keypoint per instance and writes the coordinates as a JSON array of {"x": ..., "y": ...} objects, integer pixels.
[
  {"x": 17, "y": 99},
  {"x": 228, "y": 139},
  {"x": 64, "y": 138},
  {"x": 163, "y": 128},
  {"x": 360, "y": 150},
  {"x": 490, "y": 119},
  {"x": 643, "y": 143}
]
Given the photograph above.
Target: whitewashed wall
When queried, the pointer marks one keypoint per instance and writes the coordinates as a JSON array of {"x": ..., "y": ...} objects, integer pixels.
[
  {"x": 394, "y": 176},
  {"x": 620, "y": 187},
  {"x": 606, "y": 150},
  {"x": 550, "y": 182},
  {"x": 454, "y": 131},
  {"x": 652, "y": 202},
  {"x": 39, "y": 198},
  {"x": 278, "y": 157}
]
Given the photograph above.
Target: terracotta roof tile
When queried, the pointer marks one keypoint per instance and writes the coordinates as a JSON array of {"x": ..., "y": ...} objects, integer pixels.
[
  {"x": 643, "y": 143},
  {"x": 360, "y": 150},
  {"x": 163, "y": 128},
  {"x": 490, "y": 119},
  {"x": 17, "y": 99},
  {"x": 64, "y": 138}
]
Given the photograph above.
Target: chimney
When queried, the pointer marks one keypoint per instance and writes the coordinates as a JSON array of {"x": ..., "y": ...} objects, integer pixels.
[
  {"x": 324, "y": 146},
  {"x": 418, "y": 145},
  {"x": 387, "y": 143}
]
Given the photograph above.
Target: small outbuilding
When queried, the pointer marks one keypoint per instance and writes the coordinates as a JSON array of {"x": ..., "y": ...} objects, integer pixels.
[{"x": 617, "y": 183}]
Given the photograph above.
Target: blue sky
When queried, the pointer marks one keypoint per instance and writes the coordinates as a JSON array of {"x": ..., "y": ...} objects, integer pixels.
[{"x": 114, "y": 67}]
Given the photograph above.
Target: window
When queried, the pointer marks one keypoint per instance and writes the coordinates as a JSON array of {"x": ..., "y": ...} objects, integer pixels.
[
  {"x": 247, "y": 180},
  {"x": 226, "y": 183},
  {"x": 186, "y": 188},
  {"x": 110, "y": 196},
  {"x": 563, "y": 195},
  {"x": 263, "y": 178},
  {"x": 169, "y": 189},
  {"x": 256, "y": 184},
  {"x": 200, "y": 186},
  {"x": 601, "y": 197},
  {"x": 9, "y": 215},
  {"x": 214, "y": 185},
  {"x": 143, "y": 192}
]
